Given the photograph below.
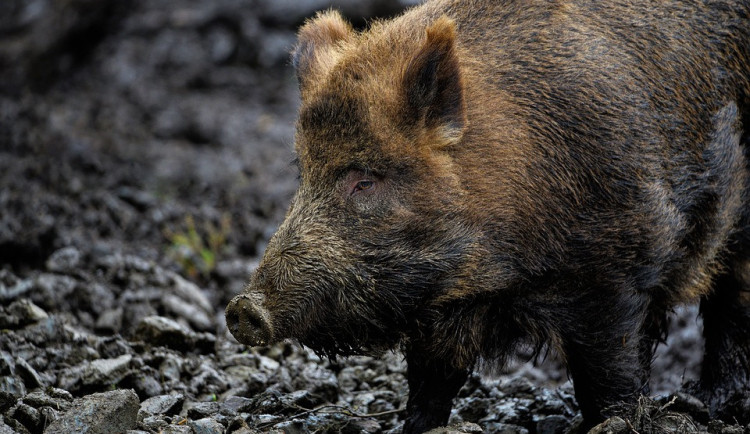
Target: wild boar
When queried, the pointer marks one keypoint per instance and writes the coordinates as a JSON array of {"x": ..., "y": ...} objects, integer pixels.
[{"x": 479, "y": 175}]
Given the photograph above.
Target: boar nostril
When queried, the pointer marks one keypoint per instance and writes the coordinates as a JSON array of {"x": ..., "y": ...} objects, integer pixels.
[{"x": 248, "y": 321}]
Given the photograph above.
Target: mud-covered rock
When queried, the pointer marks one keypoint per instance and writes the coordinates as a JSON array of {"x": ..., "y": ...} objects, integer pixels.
[
  {"x": 11, "y": 390},
  {"x": 65, "y": 260},
  {"x": 104, "y": 372},
  {"x": 233, "y": 405},
  {"x": 552, "y": 424},
  {"x": 29, "y": 375},
  {"x": 107, "y": 412},
  {"x": 613, "y": 425},
  {"x": 57, "y": 399},
  {"x": 200, "y": 410},
  {"x": 162, "y": 404},
  {"x": 21, "y": 313},
  {"x": 466, "y": 427},
  {"x": 162, "y": 331},
  {"x": 207, "y": 426},
  {"x": 145, "y": 381},
  {"x": 28, "y": 416}
]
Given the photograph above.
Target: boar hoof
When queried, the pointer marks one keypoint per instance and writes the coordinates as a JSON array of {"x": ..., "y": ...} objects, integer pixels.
[{"x": 248, "y": 321}]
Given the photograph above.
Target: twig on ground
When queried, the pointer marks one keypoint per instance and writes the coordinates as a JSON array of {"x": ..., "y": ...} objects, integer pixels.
[{"x": 331, "y": 409}]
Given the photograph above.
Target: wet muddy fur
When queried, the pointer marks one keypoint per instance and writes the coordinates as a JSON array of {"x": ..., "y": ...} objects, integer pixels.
[{"x": 481, "y": 175}]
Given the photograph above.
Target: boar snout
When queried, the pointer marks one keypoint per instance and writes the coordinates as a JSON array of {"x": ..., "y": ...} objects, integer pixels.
[{"x": 248, "y": 321}]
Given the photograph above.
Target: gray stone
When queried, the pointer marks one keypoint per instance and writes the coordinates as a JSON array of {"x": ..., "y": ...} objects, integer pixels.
[
  {"x": 199, "y": 410},
  {"x": 319, "y": 381},
  {"x": 21, "y": 313},
  {"x": 7, "y": 366},
  {"x": 171, "y": 368},
  {"x": 177, "y": 429},
  {"x": 153, "y": 423},
  {"x": 268, "y": 364},
  {"x": 205, "y": 342},
  {"x": 464, "y": 427},
  {"x": 11, "y": 390},
  {"x": 198, "y": 318},
  {"x": 238, "y": 375},
  {"x": 613, "y": 425},
  {"x": 381, "y": 405},
  {"x": 348, "y": 378},
  {"x": 505, "y": 428},
  {"x": 48, "y": 415},
  {"x": 52, "y": 290},
  {"x": 190, "y": 292},
  {"x": 59, "y": 394},
  {"x": 30, "y": 376},
  {"x": 145, "y": 382},
  {"x": 300, "y": 398},
  {"x": 104, "y": 413},
  {"x": 162, "y": 404},
  {"x": 364, "y": 426},
  {"x": 18, "y": 289},
  {"x": 473, "y": 408},
  {"x": 236, "y": 404},
  {"x": 71, "y": 378},
  {"x": 5, "y": 429},
  {"x": 208, "y": 381},
  {"x": 41, "y": 333},
  {"x": 27, "y": 415},
  {"x": 39, "y": 399},
  {"x": 361, "y": 401},
  {"x": 107, "y": 371},
  {"x": 553, "y": 424},
  {"x": 206, "y": 426},
  {"x": 64, "y": 260},
  {"x": 296, "y": 426},
  {"x": 133, "y": 314},
  {"x": 110, "y": 321},
  {"x": 16, "y": 427},
  {"x": 161, "y": 331},
  {"x": 94, "y": 297}
]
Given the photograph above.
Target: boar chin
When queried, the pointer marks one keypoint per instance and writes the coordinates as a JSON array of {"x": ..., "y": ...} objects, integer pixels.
[{"x": 331, "y": 345}]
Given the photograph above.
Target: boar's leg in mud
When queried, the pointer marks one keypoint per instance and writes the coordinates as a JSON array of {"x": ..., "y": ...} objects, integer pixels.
[
  {"x": 601, "y": 341},
  {"x": 432, "y": 386},
  {"x": 725, "y": 372}
]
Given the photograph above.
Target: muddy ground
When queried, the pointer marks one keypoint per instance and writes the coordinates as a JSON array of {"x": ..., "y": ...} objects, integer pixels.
[{"x": 145, "y": 153}]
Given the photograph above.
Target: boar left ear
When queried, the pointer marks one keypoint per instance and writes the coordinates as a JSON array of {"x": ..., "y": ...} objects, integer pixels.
[
  {"x": 432, "y": 82},
  {"x": 313, "y": 39}
]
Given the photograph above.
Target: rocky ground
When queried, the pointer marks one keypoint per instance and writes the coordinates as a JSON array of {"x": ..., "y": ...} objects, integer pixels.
[{"x": 144, "y": 162}]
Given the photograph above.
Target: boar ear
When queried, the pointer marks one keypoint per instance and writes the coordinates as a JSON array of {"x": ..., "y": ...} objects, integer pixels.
[
  {"x": 314, "y": 38},
  {"x": 432, "y": 82}
]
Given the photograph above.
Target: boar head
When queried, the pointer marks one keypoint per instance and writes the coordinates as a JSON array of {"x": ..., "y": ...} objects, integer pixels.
[{"x": 375, "y": 230}]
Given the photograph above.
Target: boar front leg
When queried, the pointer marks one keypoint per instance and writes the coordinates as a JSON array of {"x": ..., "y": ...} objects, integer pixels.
[
  {"x": 605, "y": 350},
  {"x": 432, "y": 386}
]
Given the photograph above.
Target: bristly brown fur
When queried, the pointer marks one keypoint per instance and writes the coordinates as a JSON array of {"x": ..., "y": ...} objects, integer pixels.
[{"x": 482, "y": 174}]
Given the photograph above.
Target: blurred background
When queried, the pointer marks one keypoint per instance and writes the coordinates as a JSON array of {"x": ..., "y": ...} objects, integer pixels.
[{"x": 145, "y": 151}]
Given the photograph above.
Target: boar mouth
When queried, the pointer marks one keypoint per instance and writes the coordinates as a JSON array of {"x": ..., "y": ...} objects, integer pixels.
[{"x": 248, "y": 321}]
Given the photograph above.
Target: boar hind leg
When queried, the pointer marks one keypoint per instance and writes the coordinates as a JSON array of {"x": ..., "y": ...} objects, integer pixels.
[
  {"x": 725, "y": 374},
  {"x": 432, "y": 386}
]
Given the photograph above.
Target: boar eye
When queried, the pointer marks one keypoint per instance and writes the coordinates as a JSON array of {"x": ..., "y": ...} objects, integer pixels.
[{"x": 363, "y": 185}]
